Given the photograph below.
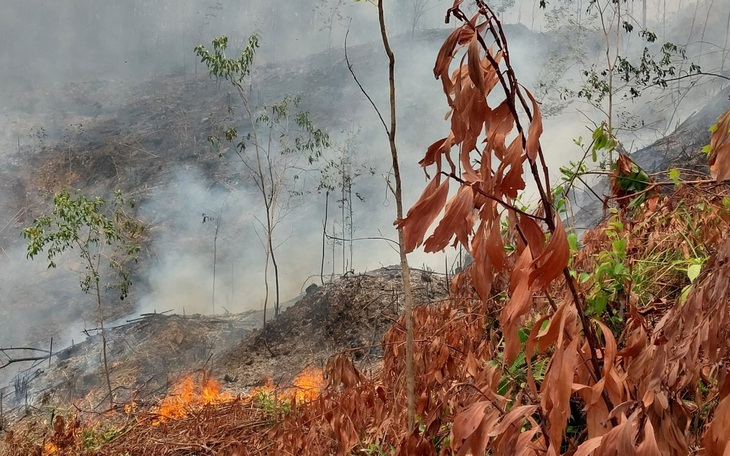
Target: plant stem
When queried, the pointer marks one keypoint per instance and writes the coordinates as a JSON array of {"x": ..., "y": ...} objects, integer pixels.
[{"x": 405, "y": 269}]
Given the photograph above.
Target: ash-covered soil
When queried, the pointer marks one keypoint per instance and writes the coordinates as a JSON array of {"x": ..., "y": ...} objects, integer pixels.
[{"x": 351, "y": 313}]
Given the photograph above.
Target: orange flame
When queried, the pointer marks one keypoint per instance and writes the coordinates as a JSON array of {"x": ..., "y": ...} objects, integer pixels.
[
  {"x": 186, "y": 396},
  {"x": 307, "y": 385},
  {"x": 49, "y": 448}
]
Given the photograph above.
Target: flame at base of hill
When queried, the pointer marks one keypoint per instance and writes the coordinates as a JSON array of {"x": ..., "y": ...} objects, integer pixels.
[{"x": 188, "y": 396}]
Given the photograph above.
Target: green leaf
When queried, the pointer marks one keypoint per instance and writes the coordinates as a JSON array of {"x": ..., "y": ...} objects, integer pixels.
[
  {"x": 674, "y": 177},
  {"x": 573, "y": 242},
  {"x": 598, "y": 304},
  {"x": 685, "y": 293},
  {"x": 618, "y": 268},
  {"x": 619, "y": 247},
  {"x": 693, "y": 272}
]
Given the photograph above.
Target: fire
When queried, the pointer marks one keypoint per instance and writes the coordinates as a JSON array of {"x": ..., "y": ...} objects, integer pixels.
[
  {"x": 130, "y": 408},
  {"x": 188, "y": 396},
  {"x": 49, "y": 448},
  {"x": 307, "y": 386}
]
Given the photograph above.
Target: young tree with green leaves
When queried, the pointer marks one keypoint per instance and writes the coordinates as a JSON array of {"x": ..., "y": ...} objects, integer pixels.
[
  {"x": 105, "y": 237},
  {"x": 280, "y": 136}
]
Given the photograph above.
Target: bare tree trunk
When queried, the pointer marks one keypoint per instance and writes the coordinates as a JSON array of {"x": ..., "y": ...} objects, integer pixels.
[
  {"x": 343, "y": 201},
  {"x": 405, "y": 269},
  {"x": 266, "y": 285},
  {"x": 324, "y": 234},
  {"x": 352, "y": 228},
  {"x": 215, "y": 252},
  {"x": 100, "y": 317},
  {"x": 276, "y": 270}
]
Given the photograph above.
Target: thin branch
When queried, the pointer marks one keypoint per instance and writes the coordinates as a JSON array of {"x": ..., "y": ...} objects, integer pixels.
[
  {"x": 492, "y": 197},
  {"x": 362, "y": 89},
  {"x": 369, "y": 238},
  {"x": 20, "y": 360}
]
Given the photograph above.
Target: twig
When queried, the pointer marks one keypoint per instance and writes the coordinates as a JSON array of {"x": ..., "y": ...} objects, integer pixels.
[
  {"x": 492, "y": 197},
  {"x": 362, "y": 89}
]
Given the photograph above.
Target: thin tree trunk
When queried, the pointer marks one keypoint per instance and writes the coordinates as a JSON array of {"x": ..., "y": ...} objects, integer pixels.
[
  {"x": 100, "y": 317},
  {"x": 405, "y": 269},
  {"x": 352, "y": 228},
  {"x": 266, "y": 285},
  {"x": 215, "y": 252},
  {"x": 270, "y": 236},
  {"x": 324, "y": 234},
  {"x": 343, "y": 201}
]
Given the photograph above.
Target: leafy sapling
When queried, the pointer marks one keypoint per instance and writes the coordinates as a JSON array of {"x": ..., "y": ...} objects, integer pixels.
[{"x": 106, "y": 239}]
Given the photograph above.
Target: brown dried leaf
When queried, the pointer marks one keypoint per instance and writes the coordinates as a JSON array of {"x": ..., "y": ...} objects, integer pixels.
[
  {"x": 550, "y": 264},
  {"x": 589, "y": 446},
  {"x": 717, "y": 438},
  {"x": 720, "y": 148},
  {"x": 467, "y": 422},
  {"x": 475, "y": 63},
  {"x": 458, "y": 221},
  {"x": 482, "y": 270},
  {"x": 436, "y": 150},
  {"x": 446, "y": 53},
  {"x": 533, "y": 234},
  {"x": 511, "y": 418},
  {"x": 648, "y": 447},
  {"x": 513, "y": 181},
  {"x": 555, "y": 392},
  {"x": 533, "y": 137},
  {"x": 517, "y": 306},
  {"x": 423, "y": 213}
]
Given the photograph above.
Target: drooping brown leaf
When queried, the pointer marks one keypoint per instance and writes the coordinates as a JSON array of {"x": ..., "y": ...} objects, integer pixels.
[
  {"x": 532, "y": 234},
  {"x": 717, "y": 436},
  {"x": 458, "y": 221},
  {"x": 446, "y": 53},
  {"x": 499, "y": 123},
  {"x": 648, "y": 447},
  {"x": 466, "y": 423},
  {"x": 340, "y": 370},
  {"x": 512, "y": 182},
  {"x": 513, "y": 418},
  {"x": 422, "y": 215},
  {"x": 517, "y": 306},
  {"x": 475, "y": 64},
  {"x": 533, "y": 137},
  {"x": 620, "y": 440},
  {"x": 720, "y": 148},
  {"x": 437, "y": 150},
  {"x": 555, "y": 392},
  {"x": 483, "y": 268},
  {"x": 550, "y": 264}
]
